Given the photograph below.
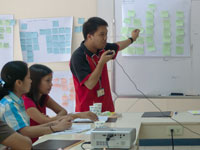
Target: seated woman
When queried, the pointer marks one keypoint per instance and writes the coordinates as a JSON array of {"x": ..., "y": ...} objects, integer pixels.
[
  {"x": 11, "y": 139},
  {"x": 17, "y": 82}
]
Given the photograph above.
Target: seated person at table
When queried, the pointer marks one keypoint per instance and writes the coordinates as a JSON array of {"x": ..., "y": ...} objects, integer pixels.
[{"x": 16, "y": 82}]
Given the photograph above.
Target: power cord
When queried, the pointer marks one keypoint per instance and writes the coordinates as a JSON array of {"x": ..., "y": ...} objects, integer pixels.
[
  {"x": 109, "y": 136},
  {"x": 172, "y": 133},
  {"x": 153, "y": 102},
  {"x": 84, "y": 144}
]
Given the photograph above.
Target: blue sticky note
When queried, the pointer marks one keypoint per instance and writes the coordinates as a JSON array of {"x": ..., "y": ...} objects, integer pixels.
[
  {"x": 68, "y": 50},
  {"x": 77, "y": 29},
  {"x": 49, "y": 38},
  {"x": 68, "y": 43},
  {"x": 67, "y": 30},
  {"x": 23, "y": 47},
  {"x": 55, "y": 37},
  {"x": 42, "y": 32},
  {"x": 62, "y": 50},
  {"x": 49, "y": 45},
  {"x": 61, "y": 30},
  {"x": 68, "y": 37},
  {"x": 12, "y": 22},
  {"x": 23, "y": 26},
  {"x": 28, "y": 35},
  {"x": 61, "y": 37},
  {"x": 28, "y": 41},
  {"x": 55, "y": 24},
  {"x": 35, "y": 40},
  {"x": 49, "y": 50},
  {"x": 34, "y": 34},
  {"x": 22, "y": 35},
  {"x": 56, "y": 51},
  {"x": 48, "y": 31},
  {"x": 22, "y": 41},
  {"x": 29, "y": 54},
  {"x": 29, "y": 47},
  {"x": 55, "y": 31},
  {"x": 36, "y": 47},
  {"x": 30, "y": 59},
  {"x": 81, "y": 20}
]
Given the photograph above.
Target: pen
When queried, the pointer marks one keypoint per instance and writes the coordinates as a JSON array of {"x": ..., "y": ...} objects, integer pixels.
[{"x": 175, "y": 112}]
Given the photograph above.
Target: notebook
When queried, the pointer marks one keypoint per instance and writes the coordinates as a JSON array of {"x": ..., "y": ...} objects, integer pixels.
[
  {"x": 55, "y": 144},
  {"x": 157, "y": 114}
]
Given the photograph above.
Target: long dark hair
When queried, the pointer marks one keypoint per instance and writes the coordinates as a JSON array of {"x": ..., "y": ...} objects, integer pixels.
[
  {"x": 12, "y": 71},
  {"x": 37, "y": 72}
]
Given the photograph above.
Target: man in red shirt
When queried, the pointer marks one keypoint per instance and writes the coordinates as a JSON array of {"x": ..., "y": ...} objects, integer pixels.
[{"x": 88, "y": 65}]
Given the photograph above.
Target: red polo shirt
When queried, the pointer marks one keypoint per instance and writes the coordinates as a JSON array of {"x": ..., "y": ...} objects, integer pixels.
[{"x": 82, "y": 65}]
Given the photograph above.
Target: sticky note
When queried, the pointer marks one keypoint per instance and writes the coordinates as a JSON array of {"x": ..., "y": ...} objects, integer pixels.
[
  {"x": 179, "y": 14},
  {"x": 164, "y": 14},
  {"x": 122, "y": 38},
  {"x": 5, "y": 45},
  {"x": 6, "y": 22},
  {"x": 2, "y": 30},
  {"x": 29, "y": 47},
  {"x": 137, "y": 22},
  {"x": 179, "y": 23},
  {"x": 55, "y": 30},
  {"x": 149, "y": 40},
  {"x": 23, "y": 47},
  {"x": 131, "y": 13},
  {"x": 36, "y": 47},
  {"x": 149, "y": 15},
  {"x": 12, "y": 22},
  {"x": 1, "y": 22},
  {"x": 141, "y": 30},
  {"x": 152, "y": 6},
  {"x": 1, "y": 36},
  {"x": 140, "y": 40},
  {"x": 166, "y": 50},
  {"x": 62, "y": 50},
  {"x": 179, "y": 39},
  {"x": 166, "y": 33},
  {"x": 167, "y": 40},
  {"x": 130, "y": 29},
  {"x": 81, "y": 20},
  {"x": 56, "y": 51},
  {"x": 77, "y": 29},
  {"x": 35, "y": 40},
  {"x": 166, "y": 25},
  {"x": 139, "y": 50},
  {"x": 180, "y": 31},
  {"x": 61, "y": 37},
  {"x": 124, "y": 30},
  {"x": 127, "y": 20},
  {"x": 129, "y": 51},
  {"x": 149, "y": 31},
  {"x": 49, "y": 50},
  {"x": 149, "y": 23},
  {"x": 1, "y": 45},
  {"x": 68, "y": 50},
  {"x": 151, "y": 48},
  {"x": 55, "y": 37},
  {"x": 55, "y": 24},
  {"x": 179, "y": 50},
  {"x": 61, "y": 30},
  {"x": 30, "y": 59},
  {"x": 67, "y": 30},
  {"x": 23, "y": 26}
]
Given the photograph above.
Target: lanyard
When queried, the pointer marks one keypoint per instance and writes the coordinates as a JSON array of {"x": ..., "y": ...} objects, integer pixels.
[{"x": 100, "y": 76}]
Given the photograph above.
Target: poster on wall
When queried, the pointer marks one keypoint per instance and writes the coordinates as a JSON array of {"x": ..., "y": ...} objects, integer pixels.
[
  {"x": 6, "y": 39},
  {"x": 164, "y": 27},
  {"x": 63, "y": 91},
  {"x": 46, "y": 39}
]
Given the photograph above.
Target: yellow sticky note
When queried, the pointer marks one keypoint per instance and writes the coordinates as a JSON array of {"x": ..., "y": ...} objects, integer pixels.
[
  {"x": 180, "y": 14},
  {"x": 152, "y": 6},
  {"x": 131, "y": 13},
  {"x": 164, "y": 14},
  {"x": 179, "y": 50}
]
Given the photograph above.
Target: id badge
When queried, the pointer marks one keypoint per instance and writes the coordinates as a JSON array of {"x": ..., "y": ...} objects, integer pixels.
[{"x": 100, "y": 92}]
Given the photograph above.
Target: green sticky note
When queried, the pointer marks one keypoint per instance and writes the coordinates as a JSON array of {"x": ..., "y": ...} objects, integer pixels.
[
  {"x": 166, "y": 33},
  {"x": 140, "y": 40},
  {"x": 130, "y": 29},
  {"x": 167, "y": 40},
  {"x": 141, "y": 29},
  {"x": 149, "y": 23},
  {"x": 1, "y": 29},
  {"x": 129, "y": 51},
  {"x": 6, "y": 45},
  {"x": 139, "y": 50},
  {"x": 180, "y": 22},
  {"x": 1, "y": 45},
  {"x": 151, "y": 48},
  {"x": 179, "y": 50},
  {"x": 166, "y": 50},
  {"x": 127, "y": 20},
  {"x": 179, "y": 31},
  {"x": 1, "y": 36},
  {"x": 149, "y": 40},
  {"x": 179, "y": 39},
  {"x": 180, "y": 14},
  {"x": 149, "y": 15},
  {"x": 131, "y": 13},
  {"x": 152, "y": 6},
  {"x": 137, "y": 22},
  {"x": 1, "y": 22},
  {"x": 124, "y": 30},
  {"x": 8, "y": 29},
  {"x": 6, "y": 22},
  {"x": 164, "y": 14},
  {"x": 149, "y": 31}
]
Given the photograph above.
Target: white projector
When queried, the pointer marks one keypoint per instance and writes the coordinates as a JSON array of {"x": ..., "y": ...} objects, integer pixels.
[{"x": 122, "y": 138}]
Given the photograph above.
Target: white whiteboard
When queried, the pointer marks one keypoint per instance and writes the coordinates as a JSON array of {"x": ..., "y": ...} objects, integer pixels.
[
  {"x": 160, "y": 76},
  {"x": 164, "y": 26}
]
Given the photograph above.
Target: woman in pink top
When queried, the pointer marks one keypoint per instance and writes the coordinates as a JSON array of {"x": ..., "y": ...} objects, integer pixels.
[{"x": 37, "y": 100}]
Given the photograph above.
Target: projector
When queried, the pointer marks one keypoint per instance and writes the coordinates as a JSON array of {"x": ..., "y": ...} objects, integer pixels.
[{"x": 122, "y": 138}]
